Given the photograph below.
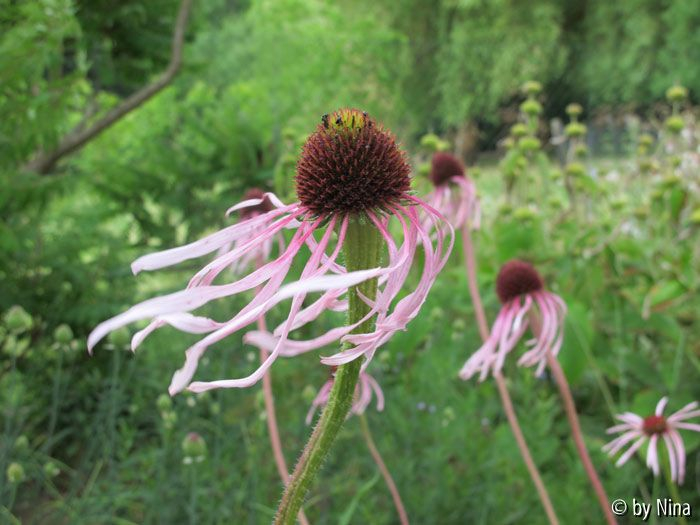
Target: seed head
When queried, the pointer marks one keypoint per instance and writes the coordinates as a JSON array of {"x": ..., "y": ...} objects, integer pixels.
[
  {"x": 517, "y": 278},
  {"x": 444, "y": 167},
  {"x": 351, "y": 164},
  {"x": 654, "y": 425},
  {"x": 263, "y": 207}
]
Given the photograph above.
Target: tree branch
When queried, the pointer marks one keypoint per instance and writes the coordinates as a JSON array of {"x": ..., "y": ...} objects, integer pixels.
[{"x": 44, "y": 162}]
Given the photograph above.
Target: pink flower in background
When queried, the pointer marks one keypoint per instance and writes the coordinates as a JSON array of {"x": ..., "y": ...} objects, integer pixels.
[
  {"x": 520, "y": 288},
  {"x": 350, "y": 169},
  {"x": 454, "y": 195},
  {"x": 653, "y": 429},
  {"x": 366, "y": 386},
  {"x": 263, "y": 250}
]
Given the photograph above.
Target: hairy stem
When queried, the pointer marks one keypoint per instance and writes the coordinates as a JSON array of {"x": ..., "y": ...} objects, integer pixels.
[
  {"x": 362, "y": 249},
  {"x": 403, "y": 517},
  {"x": 470, "y": 262}
]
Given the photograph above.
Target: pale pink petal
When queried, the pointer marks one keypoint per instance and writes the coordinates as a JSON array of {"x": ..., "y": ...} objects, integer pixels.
[
  {"x": 652, "y": 455},
  {"x": 203, "y": 246},
  {"x": 687, "y": 426},
  {"x": 623, "y": 459},
  {"x": 300, "y": 288},
  {"x": 271, "y": 198},
  {"x": 672, "y": 457},
  {"x": 618, "y": 443},
  {"x": 184, "y": 322},
  {"x": 660, "y": 406},
  {"x": 680, "y": 454}
]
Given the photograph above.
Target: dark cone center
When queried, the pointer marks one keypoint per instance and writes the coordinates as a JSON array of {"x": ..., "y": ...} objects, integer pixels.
[
  {"x": 263, "y": 207},
  {"x": 351, "y": 164},
  {"x": 654, "y": 425},
  {"x": 444, "y": 167},
  {"x": 517, "y": 278}
]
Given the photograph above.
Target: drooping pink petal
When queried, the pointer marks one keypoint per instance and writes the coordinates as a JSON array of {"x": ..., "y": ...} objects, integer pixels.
[
  {"x": 618, "y": 443},
  {"x": 314, "y": 284},
  {"x": 628, "y": 454},
  {"x": 192, "y": 298},
  {"x": 184, "y": 322},
  {"x": 652, "y": 455},
  {"x": 206, "y": 245}
]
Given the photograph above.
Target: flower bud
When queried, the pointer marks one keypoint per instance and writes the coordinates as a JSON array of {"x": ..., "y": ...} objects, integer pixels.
[
  {"x": 120, "y": 338},
  {"x": 580, "y": 150},
  {"x": 674, "y": 124},
  {"x": 518, "y": 130},
  {"x": 671, "y": 181},
  {"x": 18, "y": 320},
  {"x": 575, "y": 129},
  {"x": 51, "y": 469},
  {"x": 646, "y": 140},
  {"x": 524, "y": 213},
  {"x": 529, "y": 144},
  {"x": 574, "y": 110},
  {"x": 21, "y": 443},
  {"x": 164, "y": 403},
  {"x": 15, "y": 473},
  {"x": 430, "y": 142},
  {"x": 194, "y": 447},
  {"x": 676, "y": 93},
  {"x": 63, "y": 334},
  {"x": 575, "y": 169},
  {"x": 531, "y": 88},
  {"x": 531, "y": 107}
]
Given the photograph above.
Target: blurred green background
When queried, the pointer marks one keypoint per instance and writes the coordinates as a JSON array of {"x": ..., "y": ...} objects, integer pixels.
[{"x": 94, "y": 441}]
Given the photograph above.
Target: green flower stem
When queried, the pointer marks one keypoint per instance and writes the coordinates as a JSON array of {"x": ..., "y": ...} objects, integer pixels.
[
  {"x": 362, "y": 250},
  {"x": 671, "y": 486}
]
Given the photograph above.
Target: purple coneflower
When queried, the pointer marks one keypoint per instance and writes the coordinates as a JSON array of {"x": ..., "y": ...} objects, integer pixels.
[
  {"x": 366, "y": 386},
  {"x": 519, "y": 287},
  {"x": 652, "y": 429},
  {"x": 454, "y": 195},
  {"x": 351, "y": 172},
  {"x": 263, "y": 250}
]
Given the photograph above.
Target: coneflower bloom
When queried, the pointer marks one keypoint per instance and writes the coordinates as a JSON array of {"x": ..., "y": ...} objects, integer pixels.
[
  {"x": 263, "y": 250},
  {"x": 455, "y": 194},
  {"x": 366, "y": 386},
  {"x": 653, "y": 429},
  {"x": 519, "y": 287},
  {"x": 350, "y": 169}
]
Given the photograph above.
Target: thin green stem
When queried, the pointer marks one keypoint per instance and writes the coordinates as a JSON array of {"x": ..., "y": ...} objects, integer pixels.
[
  {"x": 672, "y": 488},
  {"x": 362, "y": 249}
]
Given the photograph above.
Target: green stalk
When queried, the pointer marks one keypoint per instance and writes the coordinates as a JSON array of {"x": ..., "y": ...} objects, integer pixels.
[
  {"x": 671, "y": 486},
  {"x": 362, "y": 249}
]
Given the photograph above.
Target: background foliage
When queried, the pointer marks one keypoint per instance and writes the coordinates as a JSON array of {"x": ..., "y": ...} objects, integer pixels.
[{"x": 95, "y": 441}]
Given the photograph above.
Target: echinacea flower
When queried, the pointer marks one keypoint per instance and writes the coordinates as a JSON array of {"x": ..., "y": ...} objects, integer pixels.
[
  {"x": 262, "y": 250},
  {"x": 653, "y": 429},
  {"x": 520, "y": 288},
  {"x": 455, "y": 194},
  {"x": 351, "y": 171},
  {"x": 366, "y": 385}
]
